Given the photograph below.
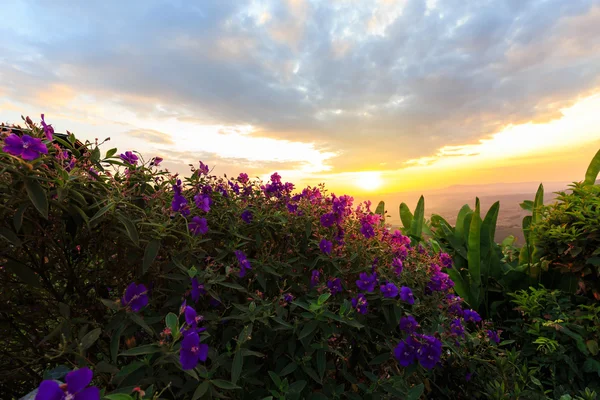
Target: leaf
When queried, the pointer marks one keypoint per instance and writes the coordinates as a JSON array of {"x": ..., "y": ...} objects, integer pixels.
[
  {"x": 113, "y": 305},
  {"x": 231, "y": 285},
  {"x": 223, "y": 384},
  {"x": 95, "y": 155},
  {"x": 291, "y": 367},
  {"x": 381, "y": 211},
  {"x": 118, "y": 396},
  {"x": 131, "y": 230},
  {"x": 321, "y": 363},
  {"x": 140, "y": 350},
  {"x": 591, "y": 365},
  {"x": 37, "y": 195},
  {"x": 172, "y": 322},
  {"x": 111, "y": 153},
  {"x": 10, "y": 236},
  {"x": 90, "y": 338},
  {"x": 459, "y": 230},
  {"x": 237, "y": 366},
  {"x": 308, "y": 329},
  {"x": 380, "y": 359},
  {"x": 323, "y": 298},
  {"x": 474, "y": 255},
  {"x": 150, "y": 253},
  {"x": 275, "y": 378},
  {"x": 416, "y": 227},
  {"x": 18, "y": 217},
  {"x": 592, "y": 346},
  {"x": 140, "y": 321},
  {"x": 527, "y": 205},
  {"x": 415, "y": 392},
  {"x": 24, "y": 273},
  {"x": 488, "y": 227},
  {"x": 200, "y": 390},
  {"x": 114, "y": 342},
  {"x": 297, "y": 386},
  {"x": 101, "y": 212},
  {"x": 57, "y": 373},
  {"x": 405, "y": 216},
  {"x": 592, "y": 171}
]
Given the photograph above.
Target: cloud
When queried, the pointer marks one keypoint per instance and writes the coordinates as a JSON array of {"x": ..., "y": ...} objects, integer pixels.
[
  {"x": 374, "y": 83},
  {"x": 151, "y": 136}
]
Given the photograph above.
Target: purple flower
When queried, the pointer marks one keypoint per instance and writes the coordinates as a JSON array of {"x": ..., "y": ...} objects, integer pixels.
[
  {"x": 454, "y": 307},
  {"x": 203, "y": 202},
  {"x": 446, "y": 260},
  {"x": 457, "y": 328},
  {"x": 429, "y": 352},
  {"x": 135, "y": 297},
  {"x": 314, "y": 278},
  {"x": 243, "y": 262},
  {"x": 440, "y": 282},
  {"x": 197, "y": 289},
  {"x": 156, "y": 161},
  {"x": 192, "y": 319},
  {"x": 243, "y": 178},
  {"x": 129, "y": 158},
  {"x": 75, "y": 389},
  {"x": 26, "y": 147},
  {"x": 48, "y": 129},
  {"x": 471, "y": 315},
  {"x": 198, "y": 226},
  {"x": 327, "y": 220},
  {"x": 367, "y": 230},
  {"x": 292, "y": 208},
  {"x": 494, "y": 336},
  {"x": 247, "y": 216},
  {"x": 398, "y": 265},
  {"x": 402, "y": 252},
  {"x": 389, "y": 290},
  {"x": 360, "y": 303},
  {"x": 408, "y": 324},
  {"x": 468, "y": 376},
  {"x": 192, "y": 351},
  {"x": 406, "y": 295},
  {"x": 405, "y": 352},
  {"x": 335, "y": 286},
  {"x": 325, "y": 246},
  {"x": 288, "y": 297},
  {"x": 180, "y": 204},
  {"x": 366, "y": 282},
  {"x": 202, "y": 169}
]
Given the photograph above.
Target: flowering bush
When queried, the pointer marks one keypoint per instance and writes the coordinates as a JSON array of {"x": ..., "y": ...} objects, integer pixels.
[{"x": 209, "y": 287}]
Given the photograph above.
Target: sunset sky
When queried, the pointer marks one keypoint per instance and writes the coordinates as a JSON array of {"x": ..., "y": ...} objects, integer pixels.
[{"x": 367, "y": 96}]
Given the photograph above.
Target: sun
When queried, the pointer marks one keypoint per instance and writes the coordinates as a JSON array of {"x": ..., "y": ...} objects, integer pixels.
[{"x": 368, "y": 180}]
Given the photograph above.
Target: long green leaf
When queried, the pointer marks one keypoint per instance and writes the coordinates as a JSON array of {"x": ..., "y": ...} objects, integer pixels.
[
  {"x": 200, "y": 390},
  {"x": 10, "y": 236},
  {"x": 405, "y": 216},
  {"x": 416, "y": 227},
  {"x": 538, "y": 204},
  {"x": 150, "y": 253},
  {"x": 460, "y": 222},
  {"x": 24, "y": 273},
  {"x": 488, "y": 228},
  {"x": 460, "y": 286},
  {"x": 90, "y": 338},
  {"x": 37, "y": 195},
  {"x": 381, "y": 211},
  {"x": 101, "y": 212},
  {"x": 140, "y": 350},
  {"x": 131, "y": 229},
  {"x": 237, "y": 367},
  {"x": 592, "y": 171},
  {"x": 222, "y": 384},
  {"x": 474, "y": 254}
]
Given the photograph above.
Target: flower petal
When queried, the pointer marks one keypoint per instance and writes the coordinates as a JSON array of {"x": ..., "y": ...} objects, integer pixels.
[
  {"x": 203, "y": 352},
  {"x": 188, "y": 359},
  {"x": 29, "y": 154},
  {"x": 49, "y": 390},
  {"x": 190, "y": 340},
  {"x": 77, "y": 380},
  {"x": 190, "y": 315},
  {"x": 91, "y": 393}
]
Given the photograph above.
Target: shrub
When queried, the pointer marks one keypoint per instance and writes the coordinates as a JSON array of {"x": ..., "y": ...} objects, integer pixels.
[
  {"x": 212, "y": 287},
  {"x": 569, "y": 236}
]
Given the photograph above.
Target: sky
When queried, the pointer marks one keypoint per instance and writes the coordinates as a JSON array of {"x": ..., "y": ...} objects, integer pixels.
[{"x": 370, "y": 97}]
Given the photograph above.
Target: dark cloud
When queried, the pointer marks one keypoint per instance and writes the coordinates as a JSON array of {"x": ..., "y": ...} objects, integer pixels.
[{"x": 320, "y": 71}]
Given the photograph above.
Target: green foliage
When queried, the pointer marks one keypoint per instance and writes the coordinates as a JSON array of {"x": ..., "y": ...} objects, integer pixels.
[
  {"x": 592, "y": 172},
  {"x": 569, "y": 237}
]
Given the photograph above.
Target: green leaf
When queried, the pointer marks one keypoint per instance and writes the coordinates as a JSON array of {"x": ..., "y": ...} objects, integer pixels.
[
  {"x": 222, "y": 384},
  {"x": 323, "y": 298},
  {"x": 95, "y": 155},
  {"x": 90, "y": 338},
  {"x": 57, "y": 373},
  {"x": 231, "y": 285},
  {"x": 37, "y": 195},
  {"x": 527, "y": 205},
  {"x": 118, "y": 396},
  {"x": 18, "y": 217},
  {"x": 592, "y": 346},
  {"x": 200, "y": 390},
  {"x": 474, "y": 255},
  {"x": 24, "y": 273},
  {"x": 131, "y": 230},
  {"x": 416, "y": 227},
  {"x": 591, "y": 365},
  {"x": 288, "y": 369},
  {"x": 114, "y": 342},
  {"x": 172, "y": 322},
  {"x": 308, "y": 329},
  {"x": 140, "y": 350},
  {"x": 381, "y": 211},
  {"x": 275, "y": 378},
  {"x": 380, "y": 359},
  {"x": 488, "y": 228},
  {"x": 415, "y": 392},
  {"x": 297, "y": 386},
  {"x": 592, "y": 171},
  {"x": 237, "y": 366},
  {"x": 459, "y": 230},
  {"x": 321, "y": 363},
  {"x": 101, "y": 212},
  {"x": 10, "y": 236},
  {"x": 405, "y": 216},
  {"x": 140, "y": 321},
  {"x": 111, "y": 153},
  {"x": 150, "y": 253}
]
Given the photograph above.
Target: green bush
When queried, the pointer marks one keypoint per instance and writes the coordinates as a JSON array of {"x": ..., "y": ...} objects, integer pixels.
[
  {"x": 285, "y": 294},
  {"x": 569, "y": 237}
]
